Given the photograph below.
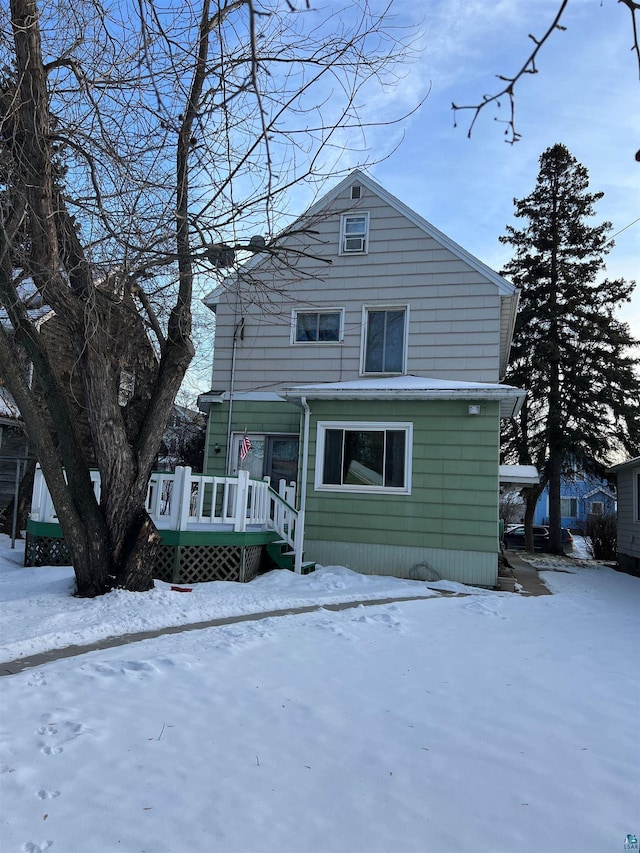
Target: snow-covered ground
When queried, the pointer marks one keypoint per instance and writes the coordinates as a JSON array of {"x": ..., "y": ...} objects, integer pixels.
[{"x": 492, "y": 722}]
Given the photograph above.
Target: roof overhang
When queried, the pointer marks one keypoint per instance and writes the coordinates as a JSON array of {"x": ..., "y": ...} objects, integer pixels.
[
  {"x": 519, "y": 475},
  {"x": 218, "y": 397},
  {"x": 623, "y": 466},
  {"x": 412, "y": 388}
]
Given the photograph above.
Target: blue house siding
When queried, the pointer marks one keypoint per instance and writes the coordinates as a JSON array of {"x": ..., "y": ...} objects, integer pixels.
[{"x": 578, "y": 495}]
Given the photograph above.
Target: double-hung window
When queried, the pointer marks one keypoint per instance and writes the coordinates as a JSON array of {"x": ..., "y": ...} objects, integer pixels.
[
  {"x": 384, "y": 340},
  {"x": 569, "y": 507},
  {"x": 364, "y": 457},
  {"x": 354, "y": 233},
  {"x": 317, "y": 326}
]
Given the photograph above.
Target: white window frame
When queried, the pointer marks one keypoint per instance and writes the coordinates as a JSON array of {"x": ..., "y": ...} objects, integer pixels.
[
  {"x": 369, "y": 426},
  {"x": 363, "y": 338},
  {"x": 599, "y": 504},
  {"x": 294, "y": 326},
  {"x": 364, "y": 234},
  {"x": 575, "y": 506}
]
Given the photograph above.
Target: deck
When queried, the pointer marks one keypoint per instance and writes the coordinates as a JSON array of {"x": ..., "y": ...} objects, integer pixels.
[{"x": 196, "y": 514}]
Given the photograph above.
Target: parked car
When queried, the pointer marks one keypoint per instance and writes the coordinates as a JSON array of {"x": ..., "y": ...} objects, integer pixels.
[{"x": 514, "y": 538}]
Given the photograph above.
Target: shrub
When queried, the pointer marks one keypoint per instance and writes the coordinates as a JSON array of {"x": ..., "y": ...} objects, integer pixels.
[{"x": 600, "y": 530}]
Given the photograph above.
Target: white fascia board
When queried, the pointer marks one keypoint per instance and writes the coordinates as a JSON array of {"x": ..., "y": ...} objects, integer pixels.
[
  {"x": 252, "y": 396},
  {"x": 622, "y": 466},
  {"x": 504, "y": 287},
  {"x": 510, "y": 398},
  {"x": 481, "y": 393},
  {"x": 519, "y": 475}
]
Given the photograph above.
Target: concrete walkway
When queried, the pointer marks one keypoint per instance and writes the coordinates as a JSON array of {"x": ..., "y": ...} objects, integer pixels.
[
  {"x": 15, "y": 666},
  {"x": 525, "y": 575}
]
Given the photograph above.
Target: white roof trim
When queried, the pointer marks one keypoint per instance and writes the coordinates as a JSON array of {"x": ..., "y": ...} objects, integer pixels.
[
  {"x": 519, "y": 475},
  {"x": 408, "y": 387},
  {"x": 505, "y": 287},
  {"x": 622, "y": 466},
  {"x": 599, "y": 490}
]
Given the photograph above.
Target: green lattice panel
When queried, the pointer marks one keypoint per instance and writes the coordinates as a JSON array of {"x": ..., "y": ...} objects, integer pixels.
[{"x": 45, "y": 551}]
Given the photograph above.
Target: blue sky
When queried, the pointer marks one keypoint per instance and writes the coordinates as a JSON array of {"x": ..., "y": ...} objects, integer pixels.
[{"x": 586, "y": 95}]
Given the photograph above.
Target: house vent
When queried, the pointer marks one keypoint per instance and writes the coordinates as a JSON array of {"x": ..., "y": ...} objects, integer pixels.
[{"x": 356, "y": 192}]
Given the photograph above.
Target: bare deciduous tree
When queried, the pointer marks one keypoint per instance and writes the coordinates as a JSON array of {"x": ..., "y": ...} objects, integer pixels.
[
  {"x": 507, "y": 90},
  {"x": 141, "y": 146}
]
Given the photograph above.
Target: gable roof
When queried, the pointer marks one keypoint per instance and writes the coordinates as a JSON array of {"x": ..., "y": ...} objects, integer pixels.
[
  {"x": 505, "y": 288},
  {"x": 508, "y": 293}
]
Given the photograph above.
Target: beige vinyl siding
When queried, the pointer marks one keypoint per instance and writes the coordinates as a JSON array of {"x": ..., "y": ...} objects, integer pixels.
[
  {"x": 453, "y": 504},
  {"x": 628, "y": 527},
  {"x": 455, "y": 312}
]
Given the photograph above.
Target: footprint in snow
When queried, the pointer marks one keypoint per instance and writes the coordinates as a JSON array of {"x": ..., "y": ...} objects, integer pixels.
[
  {"x": 43, "y": 794},
  {"x": 63, "y": 732},
  {"x": 30, "y": 847},
  {"x": 484, "y": 608}
]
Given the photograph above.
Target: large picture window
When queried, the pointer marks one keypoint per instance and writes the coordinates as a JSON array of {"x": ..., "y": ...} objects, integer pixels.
[
  {"x": 317, "y": 326},
  {"x": 364, "y": 457},
  {"x": 384, "y": 340}
]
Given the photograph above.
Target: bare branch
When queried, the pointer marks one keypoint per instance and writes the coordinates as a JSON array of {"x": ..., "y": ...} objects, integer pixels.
[{"x": 508, "y": 91}]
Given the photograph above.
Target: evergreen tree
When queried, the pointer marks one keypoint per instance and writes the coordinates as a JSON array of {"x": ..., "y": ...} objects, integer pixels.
[{"x": 569, "y": 351}]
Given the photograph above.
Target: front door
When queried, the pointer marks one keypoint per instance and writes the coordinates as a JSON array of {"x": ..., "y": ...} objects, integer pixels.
[{"x": 273, "y": 456}]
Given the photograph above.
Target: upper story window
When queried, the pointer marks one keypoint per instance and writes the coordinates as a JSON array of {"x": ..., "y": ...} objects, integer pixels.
[
  {"x": 354, "y": 234},
  {"x": 384, "y": 340},
  {"x": 318, "y": 326},
  {"x": 364, "y": 457}
]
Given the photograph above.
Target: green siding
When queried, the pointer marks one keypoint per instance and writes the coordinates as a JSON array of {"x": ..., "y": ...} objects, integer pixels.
[
  {"x": 454, "y": 499},
  {"x": 254, "y": 416}
]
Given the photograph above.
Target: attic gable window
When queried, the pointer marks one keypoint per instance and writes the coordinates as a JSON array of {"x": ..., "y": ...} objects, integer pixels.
[
  {"x": 356, "y": 191},
  {"x": 324, "y": 327},
  {"x": 354, "y": 234}
]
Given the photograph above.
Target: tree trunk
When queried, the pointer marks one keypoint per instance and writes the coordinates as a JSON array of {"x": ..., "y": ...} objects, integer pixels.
[
  {"x": 555, "y": 476},
  {"x": 531, "y": 496}
]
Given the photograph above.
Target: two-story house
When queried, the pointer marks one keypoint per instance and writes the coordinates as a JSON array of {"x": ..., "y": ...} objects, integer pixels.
[{"x": 365, "y": 365}]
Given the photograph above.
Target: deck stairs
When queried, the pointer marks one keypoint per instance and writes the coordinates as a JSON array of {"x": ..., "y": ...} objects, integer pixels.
[{"x": 280, "y": 554}]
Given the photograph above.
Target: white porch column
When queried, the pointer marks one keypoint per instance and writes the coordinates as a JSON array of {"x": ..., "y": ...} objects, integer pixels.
[
  {"x": 240, "y": 508},
  {"x": 181, "y": 498}
]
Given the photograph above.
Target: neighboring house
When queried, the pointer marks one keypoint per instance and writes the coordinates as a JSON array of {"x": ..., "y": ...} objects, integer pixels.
[
  {"x": 368, "y": 372},
  {"x": 628, "y": 476},
  {"x": 13, "y": 446},
  {"x": 581, "y": 496},
  {"x": 182, "y": 440}
]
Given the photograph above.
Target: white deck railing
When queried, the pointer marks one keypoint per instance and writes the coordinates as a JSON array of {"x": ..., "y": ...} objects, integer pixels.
[{"x": 192, "y": 502}]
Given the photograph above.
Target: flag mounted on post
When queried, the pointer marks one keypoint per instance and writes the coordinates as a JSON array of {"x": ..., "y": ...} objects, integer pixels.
[{"x": 245, "y": 447}]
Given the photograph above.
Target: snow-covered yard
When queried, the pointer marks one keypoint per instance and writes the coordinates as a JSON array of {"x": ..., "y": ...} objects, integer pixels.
[{"x": 492, "y": 722}]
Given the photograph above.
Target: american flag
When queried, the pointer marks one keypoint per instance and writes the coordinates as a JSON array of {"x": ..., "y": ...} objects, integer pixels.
[{"x": 245, "y": 447}]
